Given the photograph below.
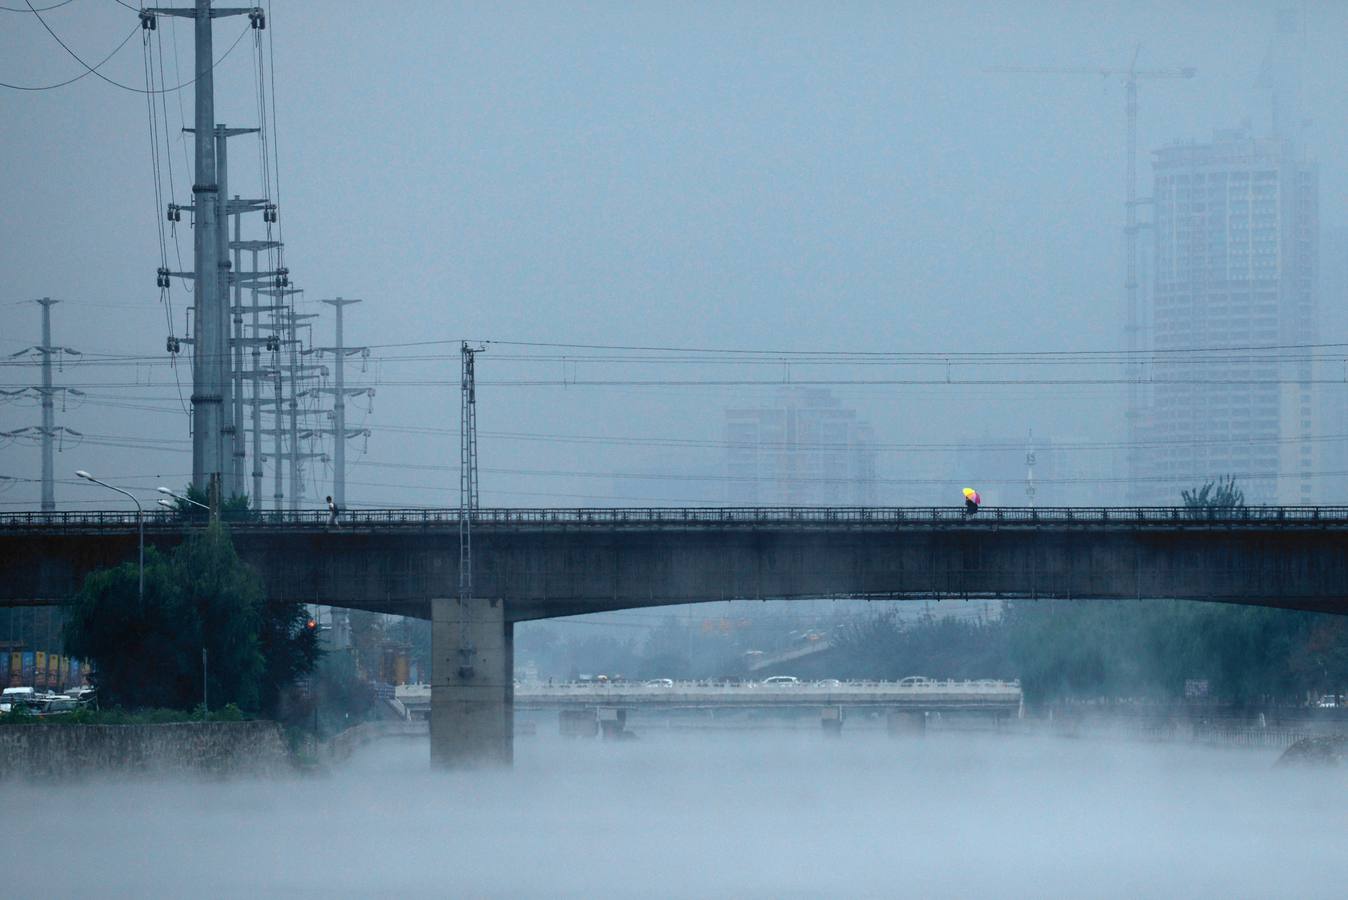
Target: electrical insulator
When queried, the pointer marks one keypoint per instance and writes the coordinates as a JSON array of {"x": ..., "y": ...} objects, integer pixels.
[
  {"x": 147, "y": 21},
  {"x": 162, "y": 279},
  {"x": 285, "y": 276},
  {"x": 269, "y": 212},
  {"x": 175, "y": 212},
  {"x": 273, "y": 343},
  {"x": 257, "y": 19},
  {"x": 172, "y": 345}
]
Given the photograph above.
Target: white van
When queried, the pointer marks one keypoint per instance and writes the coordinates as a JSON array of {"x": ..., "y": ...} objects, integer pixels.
[{"x": 17, "y": 696}]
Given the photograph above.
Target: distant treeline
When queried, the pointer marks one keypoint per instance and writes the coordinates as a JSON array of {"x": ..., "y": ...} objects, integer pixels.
[{"x": 1089, "y": 649}]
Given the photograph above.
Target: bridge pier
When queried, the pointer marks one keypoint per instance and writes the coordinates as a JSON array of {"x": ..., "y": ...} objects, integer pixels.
[{"x": 472, "y": 683}]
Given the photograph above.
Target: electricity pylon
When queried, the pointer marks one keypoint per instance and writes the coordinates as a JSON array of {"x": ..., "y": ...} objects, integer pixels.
[{"x": 49, "y": 431}]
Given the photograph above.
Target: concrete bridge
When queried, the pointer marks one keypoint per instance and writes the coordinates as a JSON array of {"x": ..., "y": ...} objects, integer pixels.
[
  {"x": 540, "y": 563},
  {"x": 586, "y": 706}
]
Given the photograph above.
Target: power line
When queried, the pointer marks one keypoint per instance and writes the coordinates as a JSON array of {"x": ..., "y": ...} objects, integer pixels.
[
  {"x": 88, "y": 70},
  {"x": 29, "y": 8},
  {"x": 93, "y": 70}
]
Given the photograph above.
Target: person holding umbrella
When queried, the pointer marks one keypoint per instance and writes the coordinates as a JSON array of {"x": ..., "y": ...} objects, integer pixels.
[{"x": 971, "y": 501}]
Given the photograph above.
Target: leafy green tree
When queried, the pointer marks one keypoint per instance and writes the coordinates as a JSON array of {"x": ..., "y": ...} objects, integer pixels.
[{"x": 202, "y": 596}]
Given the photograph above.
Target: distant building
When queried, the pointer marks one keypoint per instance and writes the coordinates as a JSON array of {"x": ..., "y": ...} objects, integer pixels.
[
  {"x": 1332, "y": 410},
  {"x": 803, "y": 449},
  {"x": 1236, "y": 224}
]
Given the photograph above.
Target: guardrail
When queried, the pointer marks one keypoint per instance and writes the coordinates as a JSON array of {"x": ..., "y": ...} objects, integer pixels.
[
  {"x": 703, "y": 516},
  {"x": 830, "y": 687}
]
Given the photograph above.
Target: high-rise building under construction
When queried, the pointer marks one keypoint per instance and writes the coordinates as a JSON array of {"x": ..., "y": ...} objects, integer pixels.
[{"x": 1236, "y": 229}]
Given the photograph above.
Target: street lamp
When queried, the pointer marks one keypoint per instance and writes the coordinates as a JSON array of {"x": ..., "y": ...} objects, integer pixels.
[
  {"x": 163, "y": 490},
  {"x": 140, "y": 527}
]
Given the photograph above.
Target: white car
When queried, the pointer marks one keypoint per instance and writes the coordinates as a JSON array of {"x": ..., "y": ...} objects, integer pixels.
[
  {"x": 781, "y": 679},
  {"x": 18, "y": 696},
  {"x": 660, "y": 682}
]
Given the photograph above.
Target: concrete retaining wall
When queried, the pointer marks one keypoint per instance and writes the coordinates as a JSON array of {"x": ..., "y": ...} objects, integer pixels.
[{"x": 183, "y": 748}]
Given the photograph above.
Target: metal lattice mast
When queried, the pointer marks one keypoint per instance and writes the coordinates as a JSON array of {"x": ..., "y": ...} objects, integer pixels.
[
  {"x": 467, "y": 467},
  {"x": 467, "y": 500}
]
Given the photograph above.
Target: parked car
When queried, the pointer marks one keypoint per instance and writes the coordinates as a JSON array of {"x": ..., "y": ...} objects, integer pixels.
[
  {"x": 59, "y": 706},
  {"x": 660, "y": 682},
  {"x": 781, "y": 679},
  {"x": 828, "y": 682}
]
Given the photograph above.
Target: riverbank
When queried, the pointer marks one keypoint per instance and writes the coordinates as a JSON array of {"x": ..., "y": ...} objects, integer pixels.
[{"x": 213, "y": 749}]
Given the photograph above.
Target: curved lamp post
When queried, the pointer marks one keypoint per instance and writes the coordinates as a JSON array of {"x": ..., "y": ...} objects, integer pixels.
[
  {"x": 164, "y": 490},
  {"x": 140, "y": 526}
]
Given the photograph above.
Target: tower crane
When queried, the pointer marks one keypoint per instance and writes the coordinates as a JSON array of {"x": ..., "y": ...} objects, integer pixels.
[{"x": 1131, "y": 75}]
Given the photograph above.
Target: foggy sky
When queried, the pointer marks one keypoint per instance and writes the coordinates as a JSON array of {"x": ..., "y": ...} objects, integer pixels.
[{"x": 757, "y": 175}]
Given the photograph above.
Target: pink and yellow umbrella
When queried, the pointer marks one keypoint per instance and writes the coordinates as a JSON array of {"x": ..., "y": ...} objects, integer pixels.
[{"x": 972, "y": 495}]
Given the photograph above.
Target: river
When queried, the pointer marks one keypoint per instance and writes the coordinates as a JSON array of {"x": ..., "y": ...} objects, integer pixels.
[{"x": 748, "y": 814}]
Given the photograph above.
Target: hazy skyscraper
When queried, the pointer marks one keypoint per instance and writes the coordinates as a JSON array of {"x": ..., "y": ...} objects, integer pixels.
[
  {"x": 1236, "y": 225},
  {"x": 803, "y": 449}
]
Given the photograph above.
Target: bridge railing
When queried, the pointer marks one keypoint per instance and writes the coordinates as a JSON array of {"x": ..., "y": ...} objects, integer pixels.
[
  {"x": 913, "y": 685},
  {"x": 701, "y": 516}
]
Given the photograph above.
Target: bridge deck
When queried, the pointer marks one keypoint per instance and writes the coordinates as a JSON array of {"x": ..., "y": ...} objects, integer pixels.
[
  {"x": 559, "y": 562},
  {"x": 644, "y": 518}
]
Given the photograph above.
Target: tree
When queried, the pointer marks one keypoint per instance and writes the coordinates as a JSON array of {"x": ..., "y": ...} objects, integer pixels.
[
  {"x": 202, "y": 596},
  {"x": 1220, "y": 496},
  {"x": 189, "y": 505}
]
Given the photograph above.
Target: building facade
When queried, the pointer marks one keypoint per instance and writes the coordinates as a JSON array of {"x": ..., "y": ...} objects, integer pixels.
[
  {"x": 1236, "y": 227},
  {"x": 802, "y": 449}
]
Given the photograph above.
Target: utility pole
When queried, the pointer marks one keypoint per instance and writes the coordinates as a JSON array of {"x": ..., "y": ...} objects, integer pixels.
[
  {"x": 46, "y": 393},
  {"x": 231, "y": 319},
  {"x": 1030, "y": 490},
  {"x": 283, "y": 335},
  {"x": 256, "y": 340},
  {"x": 291, "y": 322},
  {"x": 339, "y": 394},
  {"x": 1132, "y": 326},
  {"x": 210, "y": 333}
]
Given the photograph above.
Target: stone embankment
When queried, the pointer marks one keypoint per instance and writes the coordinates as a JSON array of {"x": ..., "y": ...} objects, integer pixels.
[
  {"x": 341, "y": 747},
  {"x": 181, "y": 748}
]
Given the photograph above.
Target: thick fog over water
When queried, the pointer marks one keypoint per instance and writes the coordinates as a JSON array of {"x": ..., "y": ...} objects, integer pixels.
[{"x": 684, "y": 815}]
